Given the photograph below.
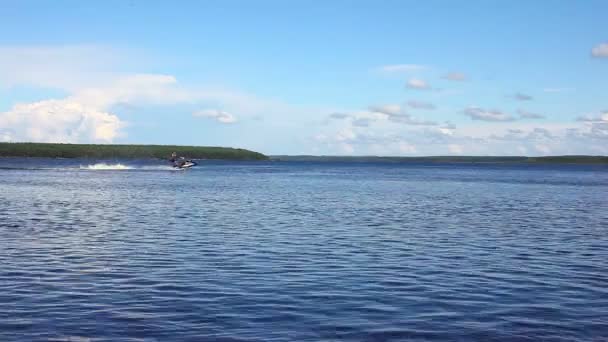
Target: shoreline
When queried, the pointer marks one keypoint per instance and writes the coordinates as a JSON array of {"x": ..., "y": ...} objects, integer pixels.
[
  {"x": 126, "y": 151},
  {"x": 567, "y": 159}
]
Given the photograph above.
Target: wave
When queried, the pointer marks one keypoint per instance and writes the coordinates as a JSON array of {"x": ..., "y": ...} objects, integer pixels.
[
  {"x": 158, "y": 168},
  {"x": 104, "y": 166}
]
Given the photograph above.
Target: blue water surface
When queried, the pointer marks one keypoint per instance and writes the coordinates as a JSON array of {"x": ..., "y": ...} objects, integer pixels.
[{"x": 299, "y": 251}]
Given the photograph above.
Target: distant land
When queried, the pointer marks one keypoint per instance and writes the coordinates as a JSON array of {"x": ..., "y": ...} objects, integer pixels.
[
  {"x": 124, "y": 151},
  {"x": 451, "y": 159},
  {"x": 107, "y": 151}
]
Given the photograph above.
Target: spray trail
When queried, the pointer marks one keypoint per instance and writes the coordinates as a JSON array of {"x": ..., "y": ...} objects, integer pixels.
[{"x": 104, "y": 166}]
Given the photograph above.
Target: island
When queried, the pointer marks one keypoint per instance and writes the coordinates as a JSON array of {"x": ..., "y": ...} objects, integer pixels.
[{"x": 100, "y": 151}]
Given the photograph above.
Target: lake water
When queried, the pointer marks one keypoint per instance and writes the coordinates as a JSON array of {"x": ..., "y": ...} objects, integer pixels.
[{"x": 295, "y": 251}]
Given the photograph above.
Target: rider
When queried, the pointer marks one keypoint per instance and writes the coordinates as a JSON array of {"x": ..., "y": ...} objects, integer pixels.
[{"x": 177, "y": 162}]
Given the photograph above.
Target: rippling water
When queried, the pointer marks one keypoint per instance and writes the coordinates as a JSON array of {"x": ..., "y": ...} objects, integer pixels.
[{"x": 278, "y": 251}]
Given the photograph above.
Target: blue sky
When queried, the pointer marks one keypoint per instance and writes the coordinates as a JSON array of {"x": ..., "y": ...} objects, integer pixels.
[{"x": 309, "y": 77}]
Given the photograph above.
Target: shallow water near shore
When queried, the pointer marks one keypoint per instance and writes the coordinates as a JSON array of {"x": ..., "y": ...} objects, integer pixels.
[{"x": 302, "y": 251}]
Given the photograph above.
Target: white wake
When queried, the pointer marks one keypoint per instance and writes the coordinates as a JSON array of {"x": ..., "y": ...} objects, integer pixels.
[{"x": 104, "y": 166}]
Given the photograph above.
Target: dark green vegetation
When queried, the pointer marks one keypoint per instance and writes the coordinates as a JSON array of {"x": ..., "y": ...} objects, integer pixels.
[
  {"x": 124, "y": 151},
  {"x": 452, "y": 159}
]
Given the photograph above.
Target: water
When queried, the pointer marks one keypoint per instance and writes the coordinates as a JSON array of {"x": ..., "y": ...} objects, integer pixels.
[{"x": 279, "y": 251}]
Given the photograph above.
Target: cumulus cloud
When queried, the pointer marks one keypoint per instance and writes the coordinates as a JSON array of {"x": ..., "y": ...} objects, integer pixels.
[
  {"x": 528, "y": 115},
  {"x": 396, "y": 114},
  {"x": 599, "y": 130},
  {"x": 390, "y": 109},
  {"x": 522, "y": 97},
  {"x": 600, "y": 51},
  {"x": 66, "y": 121},
  {"x": 415, "y": 83},
  {"x": 408, "y": 120},
  {"x": 86, "y": 74},
  {"x": 218, "y": 115},
  {"x": 597, "y": 126},
  {"x": 480, "y": 138},
  {"x": 603, "y": 117},
  {"x": 94, "y": 78},
  {"x": 420, "y": 105},
  {"x": 86, "y": 115},
  {"x": 477, "y": 113},
  {"x": 517, "y": 138},
  {"x": 455, "y": 76}
]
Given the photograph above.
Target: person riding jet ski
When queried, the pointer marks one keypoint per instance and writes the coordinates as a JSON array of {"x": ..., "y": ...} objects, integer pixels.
[{"x": 180, "y": 162}]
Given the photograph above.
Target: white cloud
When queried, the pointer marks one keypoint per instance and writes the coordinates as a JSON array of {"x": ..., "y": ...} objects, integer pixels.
[
  {"x": 446, "y": 130},
  {"x": 59, "y": 67},
  {"x": 528, "y": 115},
  {"x": 599, "y": 130},
  {"x": 338, "y": 116},
  {"x": 6, "y": 136},
  {"x": 455, "y": 76},
  {"x": 556, "y": 90},
  {"x": 66, "y": 121},
  {"x": 390, "y": 109},
  {"x": 522, "y": 97},
  {"x": 420, "y": 105},
  {"x": 85, "y": 115},
  {"x": 408, "y": 120},
  {"x": 362, "y": 122},
  {"x": 87, "y": 74},
  {"x": 594, "y": 118},
  {"x": 134, "y": 89},
  {"x": 600, "y": 51},
  {"x": 596, "y": 126},
  {"x": 218, "y": 115},
  {"x": 347, "y": 148},
  {"x": 448, "y": 125},
  {"x": 406, "y": 148},
  {"x": 477, "y": 113},
  {"x": 542, "y": 149},
  {"x": 455, "y": 149},
  {"x": 396, "y": 114},
  {"x": 398, "y": 68},
  {"x": 415, "y": 83},
  {"x": 513, "y": 138},
  {"x": 345, "y": 135}
]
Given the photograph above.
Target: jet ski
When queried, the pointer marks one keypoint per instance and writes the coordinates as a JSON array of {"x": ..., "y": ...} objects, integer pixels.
[
  {"x": 184, "y": 164},
  {"x": 180, "y": 163}
]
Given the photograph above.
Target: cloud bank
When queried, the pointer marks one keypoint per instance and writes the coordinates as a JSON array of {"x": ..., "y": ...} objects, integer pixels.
[{"x": 66, "y": 121}]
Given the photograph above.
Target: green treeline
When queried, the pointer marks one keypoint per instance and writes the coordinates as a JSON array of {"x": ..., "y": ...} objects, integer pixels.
[
  {"x": 124, "y": 151},
  {"x": 451, "y": 159}
]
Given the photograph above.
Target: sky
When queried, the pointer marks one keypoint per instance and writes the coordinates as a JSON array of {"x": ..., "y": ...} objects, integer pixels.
[{"x": 391, "y": 78}]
